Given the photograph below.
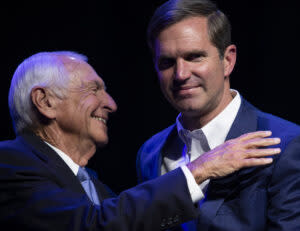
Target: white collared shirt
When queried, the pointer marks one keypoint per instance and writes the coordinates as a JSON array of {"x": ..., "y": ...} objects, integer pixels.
[
  {"x": 72, "y": 165},
  {"x": 215, "y": 132}
]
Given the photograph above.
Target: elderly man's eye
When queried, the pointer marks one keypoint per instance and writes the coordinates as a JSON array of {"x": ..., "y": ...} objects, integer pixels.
[{"x": 95, "y": 89}]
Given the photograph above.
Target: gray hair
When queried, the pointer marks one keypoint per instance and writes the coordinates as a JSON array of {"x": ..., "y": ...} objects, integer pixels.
[
  {"x": 44, "y": 69},
  {"x": 173, "y": 11}
]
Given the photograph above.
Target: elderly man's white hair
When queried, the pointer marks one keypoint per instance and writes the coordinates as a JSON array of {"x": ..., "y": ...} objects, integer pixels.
[{"x": 44, "y": 69}]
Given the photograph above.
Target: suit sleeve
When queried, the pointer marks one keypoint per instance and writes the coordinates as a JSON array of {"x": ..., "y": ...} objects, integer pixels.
[
  {"x": 284, "y": 190},
  {"x": 29, "y": 200}
]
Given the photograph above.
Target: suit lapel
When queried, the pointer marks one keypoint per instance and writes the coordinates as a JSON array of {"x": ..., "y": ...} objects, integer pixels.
[
  {"x": 219, "y": 189},
  {"x": 153, "y": 170},
  {"x": 56, "y": 165},
  {"x": 245, "y": 121}
]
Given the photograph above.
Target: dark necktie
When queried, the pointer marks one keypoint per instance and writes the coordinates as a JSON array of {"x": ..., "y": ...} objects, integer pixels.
[{"x": 88, "y": 185}]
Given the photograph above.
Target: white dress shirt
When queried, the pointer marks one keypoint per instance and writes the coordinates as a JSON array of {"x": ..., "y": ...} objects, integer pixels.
[
  {"x": 215, "y": 132},
  {"x": 72, "y": 165}
]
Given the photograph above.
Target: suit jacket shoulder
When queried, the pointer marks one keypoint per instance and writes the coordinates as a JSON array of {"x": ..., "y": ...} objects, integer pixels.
[{"x": 279, "y": 126}]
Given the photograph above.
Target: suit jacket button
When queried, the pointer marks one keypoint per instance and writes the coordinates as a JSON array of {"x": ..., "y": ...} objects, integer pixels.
[
  {"x": 163, "y": 223},
  {"x": 176, "y": 219},
  {"x": 170, "y": 221}
]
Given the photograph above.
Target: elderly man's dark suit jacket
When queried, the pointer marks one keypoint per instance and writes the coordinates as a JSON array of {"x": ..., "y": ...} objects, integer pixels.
[
  {"x": 253, "y": 199},
  {"x": 38, "y": 191}
]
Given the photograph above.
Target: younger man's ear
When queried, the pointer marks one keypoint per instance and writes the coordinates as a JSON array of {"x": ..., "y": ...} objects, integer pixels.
[
  {"x": 44, "y": 101},
  {"x": 229, "y": 59}
]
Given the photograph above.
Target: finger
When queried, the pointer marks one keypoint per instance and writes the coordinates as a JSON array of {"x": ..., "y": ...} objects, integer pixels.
[
  {"x": 256, "y": 162},
  {"x": 262, "y": 142},
  {"x": 256, "y": 153},
  {"x": 257, "y": 134}
]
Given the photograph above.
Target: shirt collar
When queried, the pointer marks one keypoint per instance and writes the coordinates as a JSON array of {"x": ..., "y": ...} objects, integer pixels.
[
  {"x": 217, "y": 129},
  {"x": 72, "y": 165}
]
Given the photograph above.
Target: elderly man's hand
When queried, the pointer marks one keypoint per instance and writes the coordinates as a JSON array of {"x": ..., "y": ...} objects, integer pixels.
[{"x": 244, "y": 151}]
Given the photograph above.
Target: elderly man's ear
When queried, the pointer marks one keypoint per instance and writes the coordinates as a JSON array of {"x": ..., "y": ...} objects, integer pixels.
[{"x": 44, "y": 101}]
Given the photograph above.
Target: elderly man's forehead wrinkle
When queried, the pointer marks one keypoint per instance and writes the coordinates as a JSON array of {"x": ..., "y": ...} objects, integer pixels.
[
  {"x": 76, "y": 73},
  {"x": 71, "y": 65}
]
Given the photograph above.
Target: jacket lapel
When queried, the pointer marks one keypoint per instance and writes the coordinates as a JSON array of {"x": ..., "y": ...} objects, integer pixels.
[
  {"x": 245, "y": 121},
  {"x": 56, "y": 165},
  {"x": 153, "y": 169},
  {"x": 219, "y": 189},
  {"x": 173, "y": 146}
]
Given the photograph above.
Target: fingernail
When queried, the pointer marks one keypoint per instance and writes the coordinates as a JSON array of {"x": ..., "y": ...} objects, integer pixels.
[
  {"x": 268, "y": 133},
  {"x": 276, "y": 150},
  {"x": 276, "y": 140},
  {"x": 268, "y": 160}
]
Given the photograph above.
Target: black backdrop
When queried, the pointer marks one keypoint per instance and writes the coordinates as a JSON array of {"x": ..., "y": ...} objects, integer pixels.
[{"x": 112, "y": 35}]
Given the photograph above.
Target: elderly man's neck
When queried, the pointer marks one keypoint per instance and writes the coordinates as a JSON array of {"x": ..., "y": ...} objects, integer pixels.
[{"x": 79, "y": 150}]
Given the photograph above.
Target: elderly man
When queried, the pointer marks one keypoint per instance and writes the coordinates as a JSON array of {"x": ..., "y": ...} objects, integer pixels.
[
  {"x": 60, "y": 107},
  {"x": 191, "y": 45}
]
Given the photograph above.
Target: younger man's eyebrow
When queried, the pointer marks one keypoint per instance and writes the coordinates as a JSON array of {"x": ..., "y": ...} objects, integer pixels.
[{"x": 195, "y": 53}]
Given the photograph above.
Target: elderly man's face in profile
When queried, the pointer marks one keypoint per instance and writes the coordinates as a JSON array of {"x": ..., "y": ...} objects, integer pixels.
[{"x": 83, "y": 114}]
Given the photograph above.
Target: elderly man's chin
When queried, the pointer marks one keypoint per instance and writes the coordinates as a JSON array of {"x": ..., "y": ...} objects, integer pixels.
[{"x": 101, "y": 142}]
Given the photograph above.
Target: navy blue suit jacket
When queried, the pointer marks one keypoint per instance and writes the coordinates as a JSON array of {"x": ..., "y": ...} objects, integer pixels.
[
  {"x": 252, "y": 199},
  {"x": 38, "y": 191}
]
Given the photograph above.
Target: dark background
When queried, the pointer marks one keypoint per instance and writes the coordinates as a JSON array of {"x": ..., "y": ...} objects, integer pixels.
[{"x": 112, "y": 35}]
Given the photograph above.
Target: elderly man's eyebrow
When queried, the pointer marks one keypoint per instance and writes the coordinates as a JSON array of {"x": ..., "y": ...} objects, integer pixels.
[{"x": 98, "y": 84}]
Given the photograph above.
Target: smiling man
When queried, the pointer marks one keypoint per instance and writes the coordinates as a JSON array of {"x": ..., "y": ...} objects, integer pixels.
[
  {"x": 193, "y": 55},
  {"x": 80, "y": 118},
  {"x": 60, "y": 107}
]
